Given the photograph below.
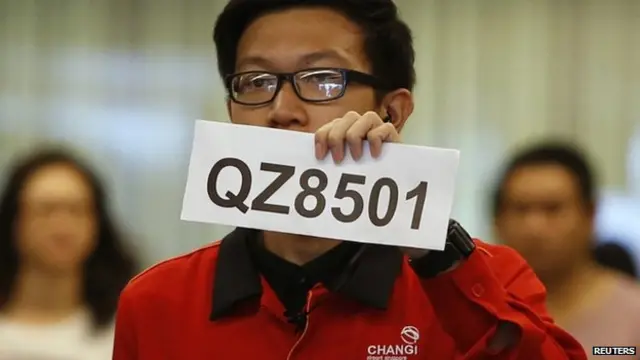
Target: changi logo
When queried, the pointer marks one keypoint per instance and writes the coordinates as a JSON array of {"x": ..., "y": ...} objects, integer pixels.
[{"x": 409, "y": 336}]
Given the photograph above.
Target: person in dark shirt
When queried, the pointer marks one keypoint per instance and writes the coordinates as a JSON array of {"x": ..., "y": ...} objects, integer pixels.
[{"x": 342, "y": 69}]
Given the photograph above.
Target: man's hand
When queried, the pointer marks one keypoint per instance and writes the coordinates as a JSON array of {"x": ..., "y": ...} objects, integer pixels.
[{"x": 353, "y": 129}]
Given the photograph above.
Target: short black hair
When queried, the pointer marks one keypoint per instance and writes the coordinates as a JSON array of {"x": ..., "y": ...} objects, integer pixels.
[
  {"x": 388, "y": 41},
  {"x": 108, "y": 268},
  {"x": 615, "y": 256},
  {"x": 555, "y": 152}
]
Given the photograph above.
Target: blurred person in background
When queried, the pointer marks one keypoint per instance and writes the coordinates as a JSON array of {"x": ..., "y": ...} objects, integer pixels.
[
  {"x": 544, "y": 207},
  {"x": 617, "y": 257},
  {"x": 62, "y": 263}
]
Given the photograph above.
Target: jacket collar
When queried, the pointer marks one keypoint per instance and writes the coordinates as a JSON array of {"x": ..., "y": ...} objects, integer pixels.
[{"x": 368, "y": 278}]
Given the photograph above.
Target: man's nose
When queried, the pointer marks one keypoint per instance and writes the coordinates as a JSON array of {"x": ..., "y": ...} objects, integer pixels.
[{"x": 287, "y": 109}]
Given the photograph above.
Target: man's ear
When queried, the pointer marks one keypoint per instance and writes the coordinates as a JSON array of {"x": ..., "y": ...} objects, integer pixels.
[
  {"x": 398, "y": 104},
  {"x": 229, "y": 108}
]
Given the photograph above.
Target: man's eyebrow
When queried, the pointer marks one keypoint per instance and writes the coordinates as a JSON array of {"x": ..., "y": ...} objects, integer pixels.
[
  {"x": 323, "y": 55},
  {"x": 258, "y": 61},
  {"x": 265, "y": 63}
]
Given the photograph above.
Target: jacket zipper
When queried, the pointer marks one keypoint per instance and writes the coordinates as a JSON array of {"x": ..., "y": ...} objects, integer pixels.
[{"x": 304, "y": 331}]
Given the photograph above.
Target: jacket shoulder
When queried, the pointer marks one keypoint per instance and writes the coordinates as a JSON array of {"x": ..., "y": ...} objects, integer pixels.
[
  {"x": 168, "y": 273},
  {"x": 506, "y": 263},
  {"x": 498, "y": 252}
]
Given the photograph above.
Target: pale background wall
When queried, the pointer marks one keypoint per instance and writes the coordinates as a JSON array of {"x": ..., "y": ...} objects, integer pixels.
[{"x": 123, "y": 80}]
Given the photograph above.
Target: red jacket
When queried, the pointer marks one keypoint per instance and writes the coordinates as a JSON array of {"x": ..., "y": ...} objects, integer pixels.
[{"x": 179, "y": 309}]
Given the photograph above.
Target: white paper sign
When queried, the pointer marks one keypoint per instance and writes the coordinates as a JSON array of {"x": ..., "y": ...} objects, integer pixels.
[{"x": 269, "y": 179}]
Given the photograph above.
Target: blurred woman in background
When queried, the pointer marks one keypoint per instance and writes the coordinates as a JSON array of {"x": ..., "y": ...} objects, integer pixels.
[{"x": 62, "y": 263}]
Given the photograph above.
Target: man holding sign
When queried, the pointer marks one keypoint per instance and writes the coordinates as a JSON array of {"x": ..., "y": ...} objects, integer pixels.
[{"x": 339, "y": 74}]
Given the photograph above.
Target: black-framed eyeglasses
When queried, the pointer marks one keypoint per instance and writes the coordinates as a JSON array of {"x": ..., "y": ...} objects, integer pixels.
[{"x": 311, "y": 85}]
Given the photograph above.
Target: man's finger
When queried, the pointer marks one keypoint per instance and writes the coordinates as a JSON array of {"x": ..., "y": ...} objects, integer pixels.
[
  {"x": 359, "y": 130},
  {"x": 321, "y": 139},
  {"x": 383, "y": 133},
  {"x": 337, "y": 134}
]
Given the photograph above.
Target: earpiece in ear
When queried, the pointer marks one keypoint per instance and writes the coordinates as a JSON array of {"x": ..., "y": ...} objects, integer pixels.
[{"x": 387, "y": 119}]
